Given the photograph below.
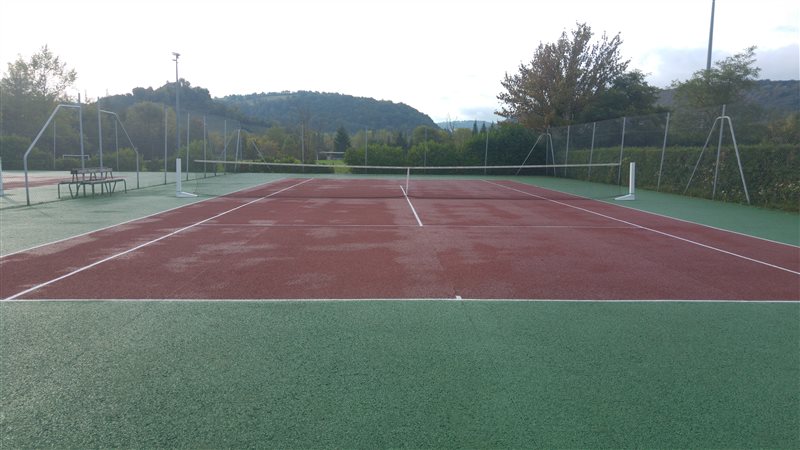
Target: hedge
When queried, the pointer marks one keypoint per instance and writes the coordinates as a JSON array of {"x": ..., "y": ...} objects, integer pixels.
[{"x": 770, "y": 171}]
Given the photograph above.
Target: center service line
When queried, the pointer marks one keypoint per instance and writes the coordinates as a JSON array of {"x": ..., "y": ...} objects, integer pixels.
[
  {"x": 416, "y": 216},
  {"x": 115, "y": 256}
]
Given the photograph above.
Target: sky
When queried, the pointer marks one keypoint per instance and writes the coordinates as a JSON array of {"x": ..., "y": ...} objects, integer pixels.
[{"x": 446, "y": 58}]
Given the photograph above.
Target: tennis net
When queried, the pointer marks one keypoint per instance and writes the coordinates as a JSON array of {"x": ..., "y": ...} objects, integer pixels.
[{"x": 529, "y": 182}]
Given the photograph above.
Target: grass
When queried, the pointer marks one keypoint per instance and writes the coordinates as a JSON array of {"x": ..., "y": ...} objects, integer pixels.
[{"x": 391, "y": 374}]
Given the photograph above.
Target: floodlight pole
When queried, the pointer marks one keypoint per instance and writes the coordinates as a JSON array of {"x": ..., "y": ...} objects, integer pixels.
[
  {"x": 177, "y": 105},
  {"x": 710, "y": 36}
]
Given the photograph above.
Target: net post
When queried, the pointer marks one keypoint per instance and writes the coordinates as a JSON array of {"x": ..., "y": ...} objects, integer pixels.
[
  {"x": 178, "y": 186},
  {"x": 408, "y": 176},
  {"x": 1, "y": 177},
  {"x": 631, "y": 184}
]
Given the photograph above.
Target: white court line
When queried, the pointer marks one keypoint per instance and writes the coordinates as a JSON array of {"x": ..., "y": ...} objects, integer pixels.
[
  {"x": 115, "y": 256},
  {"x": 135, "y": 219},
  {"x": 357, "y": 225},
  {"x": 416, "y": 216},
  {"x": 650, "y": 229},
  {"x": 370, "y": 300}
]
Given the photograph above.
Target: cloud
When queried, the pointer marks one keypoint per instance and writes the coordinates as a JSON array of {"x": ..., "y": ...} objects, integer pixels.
[
  {"x": 663, "y": 66},
  {"x": 780, "y": 63},
  {"x": 666, "y": 65}
]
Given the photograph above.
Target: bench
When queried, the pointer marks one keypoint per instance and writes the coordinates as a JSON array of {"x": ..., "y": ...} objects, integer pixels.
[{"x": 91, "y": 176}]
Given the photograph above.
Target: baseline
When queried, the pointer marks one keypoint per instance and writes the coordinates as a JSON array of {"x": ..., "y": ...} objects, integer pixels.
[{"x": 371, "y": 300}]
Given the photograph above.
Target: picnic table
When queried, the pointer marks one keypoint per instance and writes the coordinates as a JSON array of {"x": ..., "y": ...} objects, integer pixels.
[{"x": 91, "y": 176}]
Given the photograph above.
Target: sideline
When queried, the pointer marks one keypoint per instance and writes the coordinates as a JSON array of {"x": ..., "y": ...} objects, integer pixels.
[
  {"x": 117, "y": 255},
  {"x": 653, "y": 230}
]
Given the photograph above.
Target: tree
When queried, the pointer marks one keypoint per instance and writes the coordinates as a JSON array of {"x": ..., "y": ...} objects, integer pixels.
[
  {"x": 629, "y": 95},
  {"x": 722, "y": 84},
  {"x": 342, "y": 141},
  {"x": 30, "y": 89},
  {"x": 561, "y": 79},
  {"x": 44, "y": 76},
  {"x": 145, "y": 123}
]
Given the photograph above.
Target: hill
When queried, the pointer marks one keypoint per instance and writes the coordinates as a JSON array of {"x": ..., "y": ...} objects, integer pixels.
[
  {"x": 458, "y": 124},
  {"x": 327, "y": 111},
  {"x": 778, "y": 98}
]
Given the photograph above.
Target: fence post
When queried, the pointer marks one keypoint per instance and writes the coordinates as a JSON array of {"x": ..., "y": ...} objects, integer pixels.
[
  {"x": 566, "y": 153},
  {"x": 591, "y": 151},
  {"x": 621, "y": 149},
  {"x": 719, "y": 150},
  {"x": 663, "y": 150}
]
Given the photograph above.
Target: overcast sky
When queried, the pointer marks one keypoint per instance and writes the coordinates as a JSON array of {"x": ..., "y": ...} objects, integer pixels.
[{"x": 445, "y": 58}]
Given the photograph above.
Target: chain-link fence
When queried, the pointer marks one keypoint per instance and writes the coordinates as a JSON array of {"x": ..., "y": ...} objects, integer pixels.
[
  {"x": 140, "y": 146},
  {"x": 723, "y": 153},
  {"x": 718, "y": 153}
]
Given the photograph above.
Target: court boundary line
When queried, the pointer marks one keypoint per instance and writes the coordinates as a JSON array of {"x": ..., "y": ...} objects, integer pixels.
[
  {"x": 145, "y": 244},
  {"x": 356, "y": 225},
  {"x": 663, "y": 233},
  {"x": 378, "y": 300},
  {"x": 622, "y": 205},
  {"x": 58, "y": 241},
  {"x": 706, "y": 225}
]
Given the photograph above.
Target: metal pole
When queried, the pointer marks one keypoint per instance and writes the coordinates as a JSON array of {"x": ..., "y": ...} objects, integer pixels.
[
  {"x": 710, "y": 36},
  {"x": 177, "y": 106},
  {"x": 238, "y": 149},
  {"x": 135, "y": 150},
  {"x": 225, "y": 146},
  {"x": 738, "y": 159},
  {"x": 165, "y": 144},
  {"x": 486, "y": 153},
  {"x": 54, "y": 146},
  {"x": 663, "y": 150},
  {"x": 552, "y": 151},
  {"x": 591, "y": 150},
  {"x": 116, "y": 141},
  {"x": 621, "y": 149},
  {"x": 188, "y": 123},
  {"x": 703, "y": 150},
  {"x": 719, "y": 151},
  {"x": 35, "y": 140},
  {"x": 99, "y": 134},
  {"x": 566, "y": 154},
  {"x": 80, "y": 127},
  {"x": 205, "y": 140}
]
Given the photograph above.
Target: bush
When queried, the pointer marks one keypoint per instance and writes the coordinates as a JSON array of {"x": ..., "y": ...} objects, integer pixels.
[{"x": 770, "y": 172}]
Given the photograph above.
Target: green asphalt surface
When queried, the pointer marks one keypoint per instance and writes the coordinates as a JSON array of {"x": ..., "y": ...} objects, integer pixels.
[
  {"x": 400, "y": 374},
  {"x": 420, "y": 374}
]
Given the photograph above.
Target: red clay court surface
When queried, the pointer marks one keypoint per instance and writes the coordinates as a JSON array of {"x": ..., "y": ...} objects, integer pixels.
[
  {"x": 294, "y": 239},
  {"x": 16, "y": 181}
]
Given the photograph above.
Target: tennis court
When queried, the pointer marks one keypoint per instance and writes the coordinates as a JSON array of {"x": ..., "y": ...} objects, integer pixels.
[
  {"x": 480, "y": 312},
  {"x": 319, "y": 238}
]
